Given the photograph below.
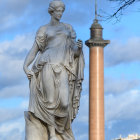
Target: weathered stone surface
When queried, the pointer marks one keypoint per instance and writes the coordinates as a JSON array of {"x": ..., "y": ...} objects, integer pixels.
[{"x": 55, "y": 79}]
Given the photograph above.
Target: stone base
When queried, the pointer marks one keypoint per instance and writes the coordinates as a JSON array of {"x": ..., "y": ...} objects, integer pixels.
[{"x": 35, "y": 129}]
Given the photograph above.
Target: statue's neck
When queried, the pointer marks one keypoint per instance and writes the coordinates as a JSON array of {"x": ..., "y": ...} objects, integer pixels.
[{"x": 54, "y": 21}]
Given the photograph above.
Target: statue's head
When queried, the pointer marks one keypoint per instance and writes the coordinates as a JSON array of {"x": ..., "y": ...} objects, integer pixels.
[{"x": 56, "y": 8}]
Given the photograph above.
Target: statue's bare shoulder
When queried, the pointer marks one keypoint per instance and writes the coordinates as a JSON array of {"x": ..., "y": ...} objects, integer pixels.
[
  {"x": 69, "y": 27},
  {"x": 42, "y": 29}
]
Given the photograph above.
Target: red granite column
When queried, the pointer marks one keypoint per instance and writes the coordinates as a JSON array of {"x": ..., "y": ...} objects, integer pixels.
[
  {"x": 96, "y": 97},
  {"x": 96, "y": 81}
]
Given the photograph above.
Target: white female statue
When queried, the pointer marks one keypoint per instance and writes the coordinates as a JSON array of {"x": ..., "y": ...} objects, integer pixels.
[{"x": 55, "y": 79}]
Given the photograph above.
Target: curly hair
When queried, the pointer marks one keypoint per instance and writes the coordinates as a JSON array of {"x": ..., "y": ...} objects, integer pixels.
[{"x": 54, "y": 4}]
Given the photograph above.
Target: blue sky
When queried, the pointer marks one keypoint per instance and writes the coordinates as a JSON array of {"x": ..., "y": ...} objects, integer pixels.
[{"x": 18, "y": 25}]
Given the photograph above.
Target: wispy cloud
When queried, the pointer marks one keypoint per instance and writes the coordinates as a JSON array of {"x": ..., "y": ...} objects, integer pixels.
[
  {"x": 123, "y": 107},
  {"x": 11, "y": 16},
  {"x": 121, "y": 53},
  {"x": 118, "y": 86},
  {"x": 122, "y": 114},
  {"x": 28, "y": 15},
  {"x": 13, "y": 130},
  {"x": 12, "y": 55},
  {"x": 21, "y": 90},
  {"x": 10, "y": 114}
]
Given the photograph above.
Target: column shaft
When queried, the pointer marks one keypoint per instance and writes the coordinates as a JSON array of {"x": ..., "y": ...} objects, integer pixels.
[{"x": 96, "y": 97}]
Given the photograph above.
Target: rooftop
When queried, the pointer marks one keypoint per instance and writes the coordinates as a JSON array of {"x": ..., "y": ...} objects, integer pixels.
[{"x": 130, "y": 137}]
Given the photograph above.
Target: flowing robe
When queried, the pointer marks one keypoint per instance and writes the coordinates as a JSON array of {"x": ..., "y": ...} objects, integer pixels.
[{"x": 57, "y": 81}]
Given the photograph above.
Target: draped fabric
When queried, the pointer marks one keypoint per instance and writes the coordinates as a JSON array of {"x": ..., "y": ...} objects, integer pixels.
[{"x": 57, "y": 81}]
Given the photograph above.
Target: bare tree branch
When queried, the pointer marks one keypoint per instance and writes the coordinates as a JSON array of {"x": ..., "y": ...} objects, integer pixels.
[{"x": 121, "y": 6}]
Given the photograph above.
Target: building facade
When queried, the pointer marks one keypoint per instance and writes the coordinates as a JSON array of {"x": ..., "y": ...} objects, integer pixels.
[{"x": 130, "y": 137}]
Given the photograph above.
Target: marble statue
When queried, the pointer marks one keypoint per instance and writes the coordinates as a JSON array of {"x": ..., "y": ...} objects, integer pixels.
[{"x": 55, "y": 79}]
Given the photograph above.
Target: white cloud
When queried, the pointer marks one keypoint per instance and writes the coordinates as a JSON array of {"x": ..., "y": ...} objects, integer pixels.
[
  {"x": 122, "y": 107},
  {"x": 13, "y": 130},
  {"x": 27, "y": 15},
  {"x": 122, "y": 114},
  {"x": 118, "y": 86},
  {"x": 11, "y": 12},
  {"x": 118, "y": 52},
  {"x": 14, "y": 113},
  {"x": 21, "y": 90},
  {"x": 10, "y": 114},
  {"x": 18, "y": 44},
  {"x": 12, "y": 55}
]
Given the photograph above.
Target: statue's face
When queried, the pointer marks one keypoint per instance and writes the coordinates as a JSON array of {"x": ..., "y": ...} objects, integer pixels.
[{"x": 57, "y": 13}]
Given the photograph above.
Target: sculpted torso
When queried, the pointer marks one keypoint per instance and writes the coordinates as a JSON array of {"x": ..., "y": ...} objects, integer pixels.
[
  {"x": 58, "y": 40},
  {"x": 55, "y": 79}
]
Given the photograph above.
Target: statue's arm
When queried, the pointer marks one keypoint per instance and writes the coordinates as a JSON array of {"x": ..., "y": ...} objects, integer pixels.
[
  {"x": 30, "y": 58},
  {"x": 76, "y": 45}
]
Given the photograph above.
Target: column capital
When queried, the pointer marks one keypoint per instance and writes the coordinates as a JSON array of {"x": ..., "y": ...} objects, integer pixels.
[
  {"x": 94, "y": 43},
  {"x": 96, "y": 39}
]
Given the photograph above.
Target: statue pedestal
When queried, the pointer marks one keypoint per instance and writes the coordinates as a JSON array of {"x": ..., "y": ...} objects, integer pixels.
[{"x": 35, "y": 129}]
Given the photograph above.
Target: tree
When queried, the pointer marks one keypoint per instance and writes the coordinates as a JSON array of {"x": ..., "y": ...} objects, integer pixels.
[{"x": 121, "y": 6}]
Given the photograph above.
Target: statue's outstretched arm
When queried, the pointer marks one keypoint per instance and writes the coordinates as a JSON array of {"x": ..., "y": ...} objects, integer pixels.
[{"x": 29, "y": 59}]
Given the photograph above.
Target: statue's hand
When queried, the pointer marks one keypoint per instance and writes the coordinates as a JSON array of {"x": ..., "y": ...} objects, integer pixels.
[
  {"x": 79, "y": 44},
  {"x": 29, "y": 73}
]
